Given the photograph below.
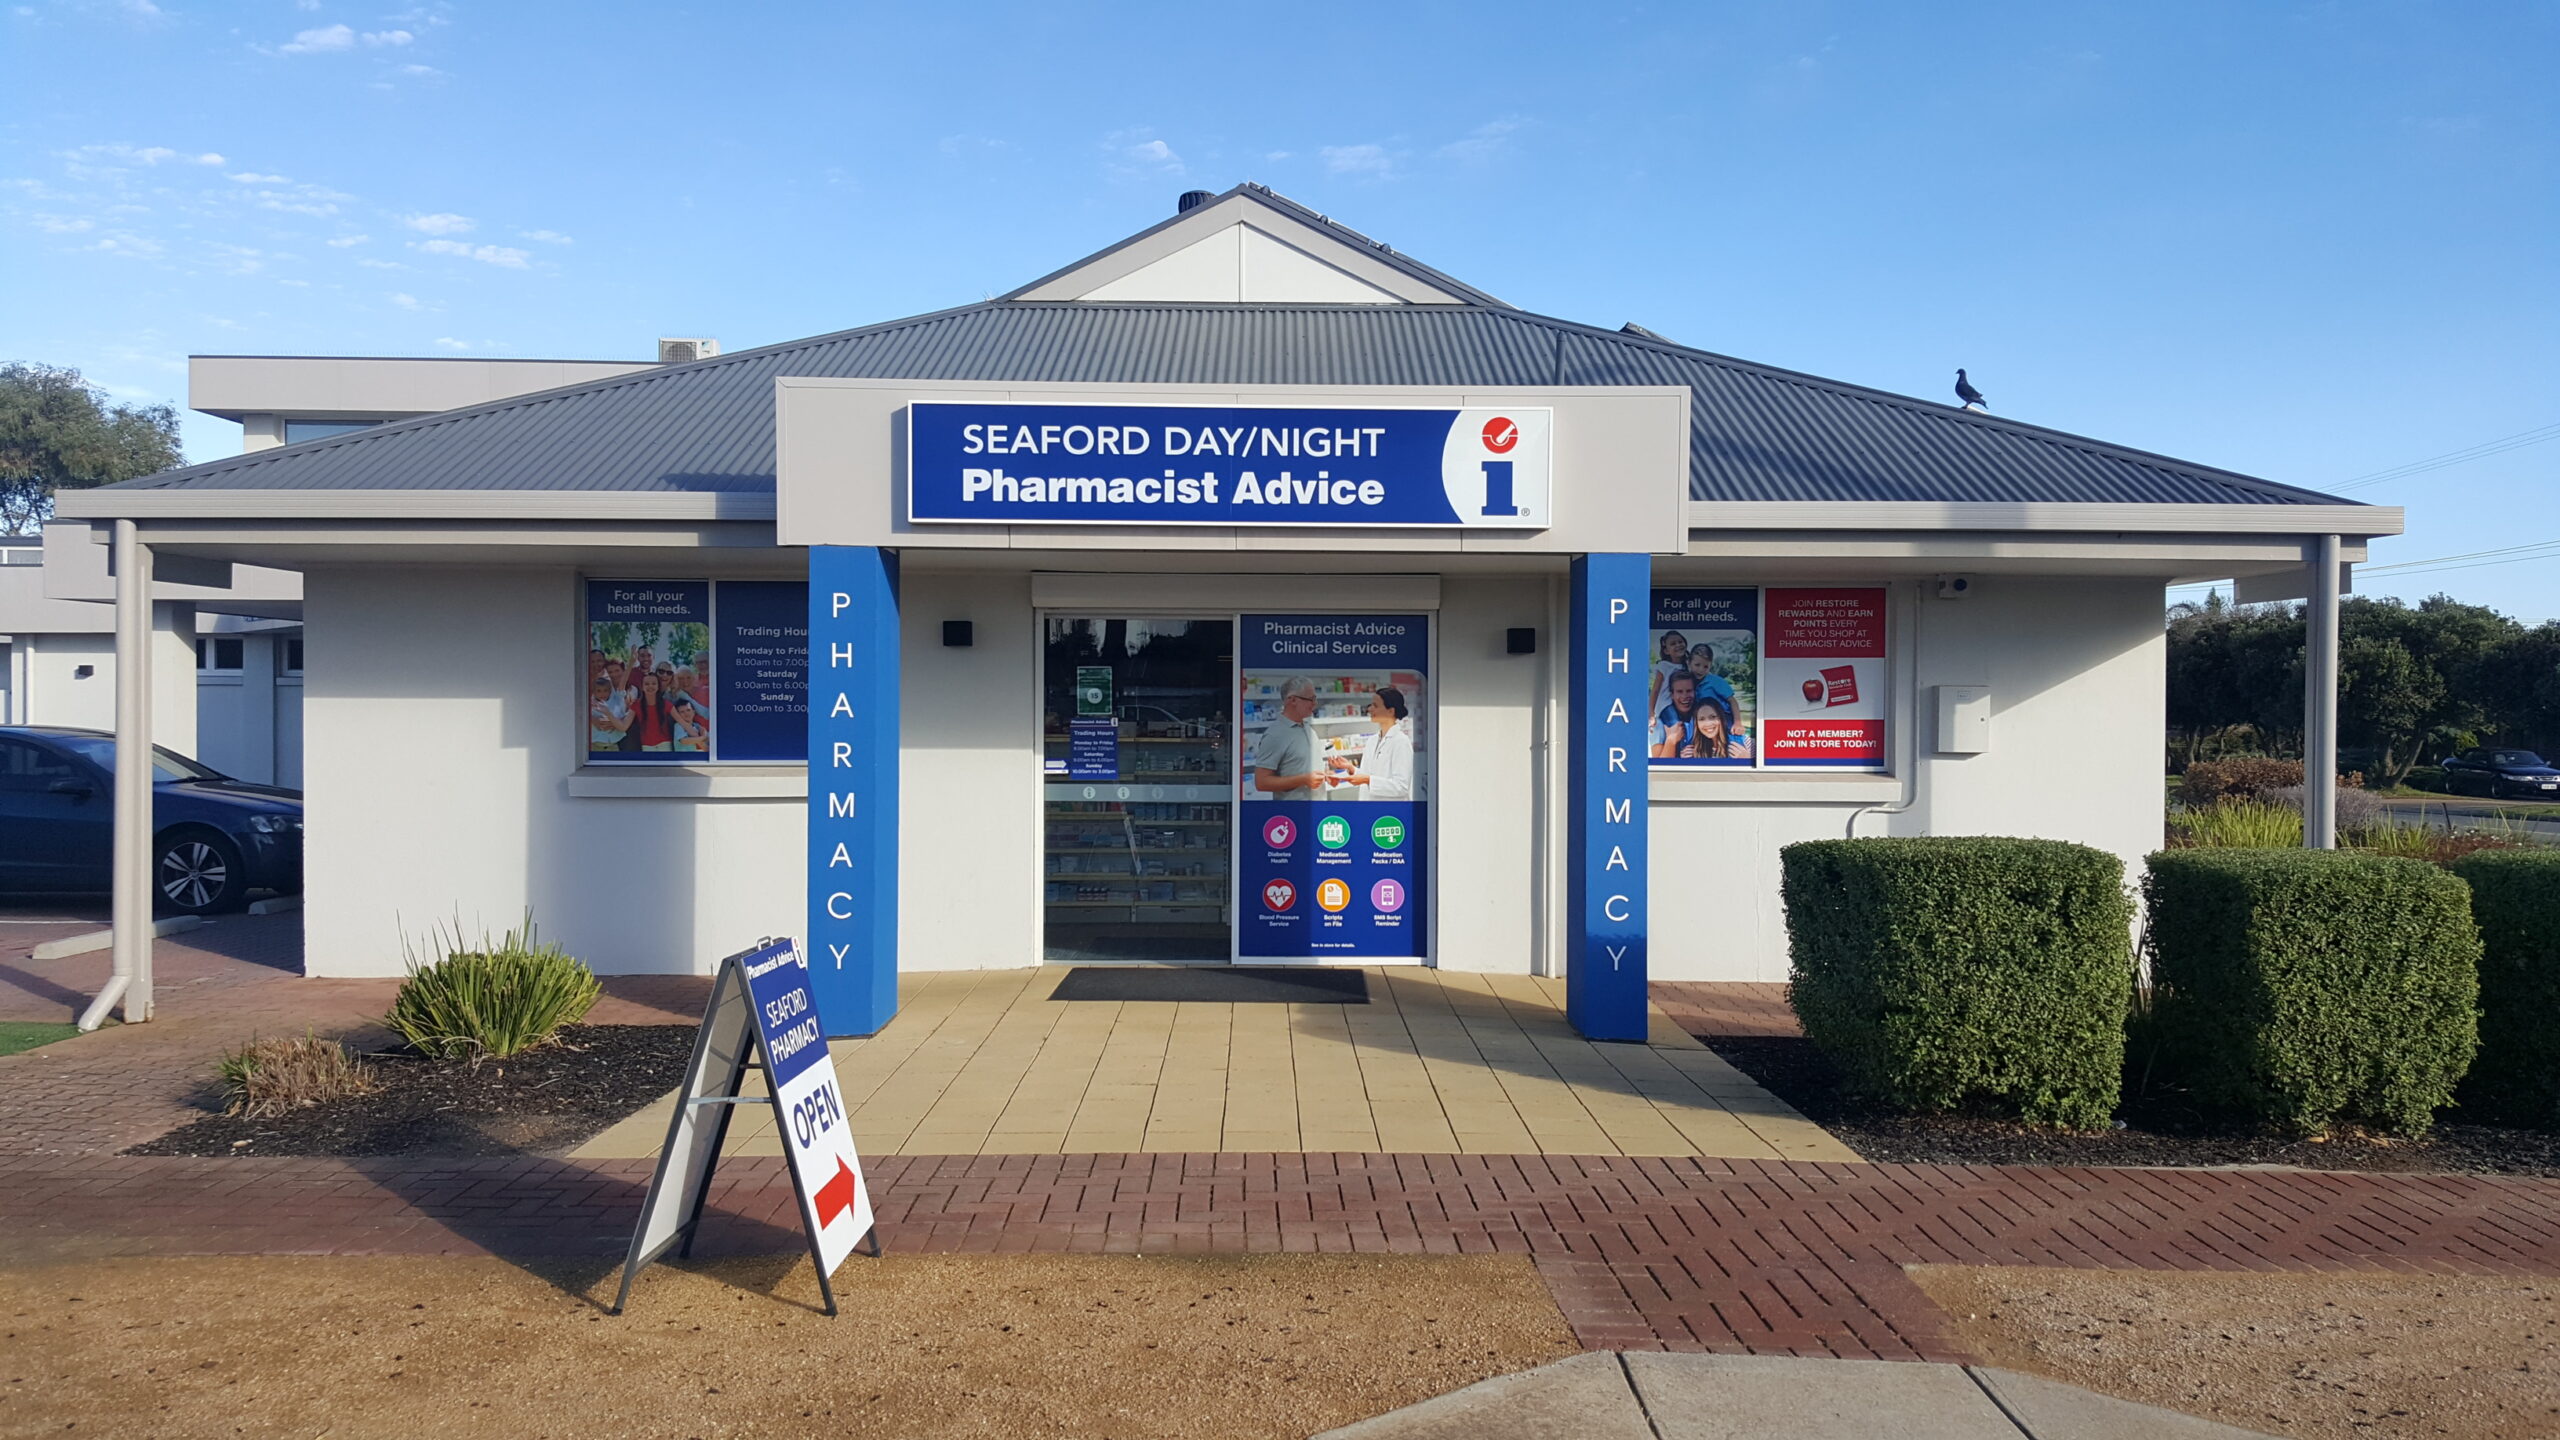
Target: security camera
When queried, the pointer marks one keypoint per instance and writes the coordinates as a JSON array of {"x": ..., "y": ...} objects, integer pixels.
[{"x": 1954, "y": 587}]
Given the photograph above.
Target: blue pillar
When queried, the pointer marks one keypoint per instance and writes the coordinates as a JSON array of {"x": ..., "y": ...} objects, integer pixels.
[
  {"x": 1604, "y": 975},
  {"x": 853, "y": 786}
]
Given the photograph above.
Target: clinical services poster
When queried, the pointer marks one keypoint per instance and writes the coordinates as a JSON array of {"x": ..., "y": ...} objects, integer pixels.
[
  {"x": 1334, "y": 779},
  {"x": 1823, "y": 676}
]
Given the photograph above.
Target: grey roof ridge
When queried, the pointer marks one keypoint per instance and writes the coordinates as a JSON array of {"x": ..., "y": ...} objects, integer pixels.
[
  {"x": 1914, "y": 404},
  {"x": 1379, "y": 251},
  {"x": 167, "y": 479}
]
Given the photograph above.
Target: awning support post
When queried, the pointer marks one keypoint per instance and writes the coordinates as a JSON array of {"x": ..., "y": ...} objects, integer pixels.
[
  {"x": 130, "y": 980},
  {"x": 2320, "y": 700}
]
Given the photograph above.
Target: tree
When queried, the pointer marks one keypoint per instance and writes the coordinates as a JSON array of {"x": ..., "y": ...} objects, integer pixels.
[{"x": 59, "y": 432}]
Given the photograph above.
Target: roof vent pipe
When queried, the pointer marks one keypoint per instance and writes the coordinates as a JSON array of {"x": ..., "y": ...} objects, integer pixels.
[{"x": 1192, "y": 200}]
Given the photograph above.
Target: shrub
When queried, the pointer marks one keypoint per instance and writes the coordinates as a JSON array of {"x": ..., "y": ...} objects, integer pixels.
[
  {"x": 1937, "y": 970},
  {"x": 2244, "y": 777},
  {"x": 269, "y": 1077},
  {"x": 2357, "y": 809},
  {"x": 2515, "y": 898},
  {"x": 2307, "y": 987},
  {"x": 2241, "y": 825},
  {"x": 492, "y": 998}
]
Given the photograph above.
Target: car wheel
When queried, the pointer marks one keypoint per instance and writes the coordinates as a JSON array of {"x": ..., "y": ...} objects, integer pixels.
[{"x": 199, "y": 874}]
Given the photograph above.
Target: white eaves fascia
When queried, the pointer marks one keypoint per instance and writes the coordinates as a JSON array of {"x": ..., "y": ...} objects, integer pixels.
[
  {"x": 179, "y": 503},
  {"x": 2365, "y": 520}
]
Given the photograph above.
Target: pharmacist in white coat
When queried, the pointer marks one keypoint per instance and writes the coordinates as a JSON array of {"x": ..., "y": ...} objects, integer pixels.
[{"x": 1388, "y": 773}]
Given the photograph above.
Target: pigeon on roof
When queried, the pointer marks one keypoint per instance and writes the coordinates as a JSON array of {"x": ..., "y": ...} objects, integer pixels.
[{"x": 1965, "y": 392}]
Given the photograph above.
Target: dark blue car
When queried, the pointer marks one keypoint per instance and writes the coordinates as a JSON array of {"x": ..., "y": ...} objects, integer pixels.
[{"x": 214, "y": 839}]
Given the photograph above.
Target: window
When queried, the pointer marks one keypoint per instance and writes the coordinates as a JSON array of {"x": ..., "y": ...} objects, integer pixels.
[
  {"x": 1767, "y": 677},
  {"x": 297, "y": 431},
  {"x": 21, "y": 557},
  {"x": 31, "y": 767},
  {"x": 218, "y": 653},
  {"x": 289, "y": 655},
  {"x": 696, "y": 671}
]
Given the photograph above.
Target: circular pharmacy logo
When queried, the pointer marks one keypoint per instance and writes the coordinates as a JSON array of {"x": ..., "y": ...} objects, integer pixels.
[
  {"x": 1386, "y": 897},
  {"x": 1500, "y": 435},
  {"x": 1279, "y": 832},
  {"x": 1279, "y": 895},
  {"x": 1386, "y": 832},
  {"x": 1334, "y": 896},
  {"x": 1333, "y": 832}
]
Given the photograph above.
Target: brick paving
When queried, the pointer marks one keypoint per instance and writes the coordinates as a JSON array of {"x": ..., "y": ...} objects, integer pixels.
[
  {"x": 1734, "y": 1256},
  {"x": 1683, "y": 1253}
]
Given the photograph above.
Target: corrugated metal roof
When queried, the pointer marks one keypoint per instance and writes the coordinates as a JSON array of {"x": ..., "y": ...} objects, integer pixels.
[{"x": 1757, "y": 433}]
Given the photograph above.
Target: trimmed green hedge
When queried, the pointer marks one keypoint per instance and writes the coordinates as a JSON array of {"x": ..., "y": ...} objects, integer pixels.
[
  {"x": 2307, "y": 987},
  {"x": 1943, "y": 969},
  {"x": 2515, "y": 898}
]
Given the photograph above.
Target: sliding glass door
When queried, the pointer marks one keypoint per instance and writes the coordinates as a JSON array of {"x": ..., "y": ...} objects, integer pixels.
[{"x": 1137, "y": 788}]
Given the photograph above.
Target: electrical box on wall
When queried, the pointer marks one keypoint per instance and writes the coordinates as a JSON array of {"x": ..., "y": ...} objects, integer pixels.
[{"x": 1964, "y": 719}]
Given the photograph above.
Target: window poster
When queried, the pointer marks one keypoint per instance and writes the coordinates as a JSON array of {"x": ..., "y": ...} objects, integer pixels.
[
  {"x": 1824, "y": 676},
  {"x": 1702, "y": 698},
  {"x": 691, "y": 671},
  {"x": 764, "y": 669},
  {"x": 1333, "y": 854}
]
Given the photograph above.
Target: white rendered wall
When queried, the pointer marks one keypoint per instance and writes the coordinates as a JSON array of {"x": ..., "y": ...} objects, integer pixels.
[
  {"x": 57, "y": 694},
  {"x": 1484, "y": 801},
  {"x": 2077, "y": 677},
  {"x": 968, "y": 802},
  {"x": 440, "y": 730}
]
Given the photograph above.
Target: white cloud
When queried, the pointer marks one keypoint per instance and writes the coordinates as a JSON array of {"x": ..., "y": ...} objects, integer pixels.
[
  {"x": 504, "y": 256},
  {"x": 1277, "y": 155},
  {"x": 372, "y": 264},
  {"x": 343, "y": 241},
  {"x": 422, "y": 72},
  {"x": 321, "y": 41},
  {"x": 138, "y": 155},
  {"x": 441, "y": 223},
  {"x": 252, "y": 177},
  {"x": 447, "y": 342},
  {"x": 1481, "y": 143},
  {"x": 122, "y": 242},
  {"x": 62, "y": 224},
  {"x": 306, "y": 4},
  {"x": 547, "y": 237},
  {"x": 1369, "y": 160},
  {"x": 404, "y": 300},
  {"x": 1156, "y": 153},
  {"x": 388, "y": 37}
]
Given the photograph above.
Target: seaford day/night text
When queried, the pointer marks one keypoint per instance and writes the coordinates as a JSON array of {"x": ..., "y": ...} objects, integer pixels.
[{"x": 1241, "y": 442}]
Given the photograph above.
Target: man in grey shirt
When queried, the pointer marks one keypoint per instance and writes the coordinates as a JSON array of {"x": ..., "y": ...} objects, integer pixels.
[{"x": 1284, "y": 759}]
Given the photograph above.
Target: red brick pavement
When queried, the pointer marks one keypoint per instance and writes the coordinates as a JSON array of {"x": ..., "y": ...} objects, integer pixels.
[
  {"x": 1737, "y": 1256},
  {"x": 1707, "y": 1011}
]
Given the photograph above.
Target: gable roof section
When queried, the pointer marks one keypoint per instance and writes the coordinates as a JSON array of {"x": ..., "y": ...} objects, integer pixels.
[
  {"x": 1756, "y": 433},
  {"x": 1286, "y": 229}
]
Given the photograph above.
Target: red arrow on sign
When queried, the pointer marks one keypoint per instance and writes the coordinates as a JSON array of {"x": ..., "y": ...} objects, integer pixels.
[{"x": 837, "y": 1195}]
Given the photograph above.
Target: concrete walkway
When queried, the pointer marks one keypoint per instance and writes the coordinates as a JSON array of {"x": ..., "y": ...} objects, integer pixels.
[
  {"x": 1609, "y": 1395},
  {"x": 983, "y": 1062}
]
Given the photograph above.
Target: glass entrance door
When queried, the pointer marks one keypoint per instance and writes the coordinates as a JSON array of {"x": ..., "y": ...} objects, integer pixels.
[{"x": 1137, "y": 786}]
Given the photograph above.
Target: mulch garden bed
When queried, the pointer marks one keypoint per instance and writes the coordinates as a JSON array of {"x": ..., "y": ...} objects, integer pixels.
[
  {"x": 550, "y": 1099},
  {"x": 2155, "y": 1127}
]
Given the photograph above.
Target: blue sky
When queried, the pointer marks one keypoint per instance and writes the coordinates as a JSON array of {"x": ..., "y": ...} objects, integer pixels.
[{"x": 2310, "y": 242}]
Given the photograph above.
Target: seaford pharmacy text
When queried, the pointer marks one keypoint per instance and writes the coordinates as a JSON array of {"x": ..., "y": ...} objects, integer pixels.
[{"x": 1229, "y": 465}]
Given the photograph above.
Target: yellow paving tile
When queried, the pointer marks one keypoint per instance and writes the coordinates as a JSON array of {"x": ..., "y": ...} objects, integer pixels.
[{"x": 1438, "y": 1062}]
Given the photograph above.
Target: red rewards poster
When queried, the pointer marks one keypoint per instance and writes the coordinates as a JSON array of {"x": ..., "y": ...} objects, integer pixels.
[{"x": 1822, "y": 678}]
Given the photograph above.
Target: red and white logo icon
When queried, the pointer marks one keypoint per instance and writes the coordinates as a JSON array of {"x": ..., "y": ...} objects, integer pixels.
[
  {"x": 1279, "y": 895},
  {"x": 1500, "y": 435}
]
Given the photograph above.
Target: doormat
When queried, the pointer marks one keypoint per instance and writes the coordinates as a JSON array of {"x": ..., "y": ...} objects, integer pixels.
[{"x": 1215, "y": 984}]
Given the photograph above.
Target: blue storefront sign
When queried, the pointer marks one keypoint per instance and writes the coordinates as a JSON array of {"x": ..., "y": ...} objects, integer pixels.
[
  {"x": 1605, "y": 819},
  {"x": 853, "y": 786},
  {"x": 1228, "y": 465},
  {"x": 1333, "y": 849}
]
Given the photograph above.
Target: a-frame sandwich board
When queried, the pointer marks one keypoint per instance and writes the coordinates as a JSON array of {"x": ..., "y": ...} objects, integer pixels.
[{"x": 762, "y": 1017}]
